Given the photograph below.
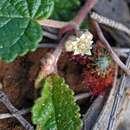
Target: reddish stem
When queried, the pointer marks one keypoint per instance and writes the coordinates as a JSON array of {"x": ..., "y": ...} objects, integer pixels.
[
  {"x": 89, "y": 4},
  {"x": 76, "y": 22}
]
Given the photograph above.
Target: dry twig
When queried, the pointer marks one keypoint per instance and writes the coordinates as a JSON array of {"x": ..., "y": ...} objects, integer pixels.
[
  {"x": 4, "y": 99},
  {"x": 50, "y": 35},
  {"x": 8, "y": 115},
  {"x": 109, "y": 22},
  {"x": 122, "y": 51},
  {"x": 82, "y": 96}
]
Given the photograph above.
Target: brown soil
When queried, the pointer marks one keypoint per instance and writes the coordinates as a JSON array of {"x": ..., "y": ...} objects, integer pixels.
[
  {"x": 18, "y": 79},
  {"x": 72, "y": 72}
]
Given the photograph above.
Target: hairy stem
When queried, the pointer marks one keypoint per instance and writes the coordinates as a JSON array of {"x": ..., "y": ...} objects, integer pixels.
[
  {"x": 89, "y": 4},
  {"x": 109, "y": 22},
  {"x": 52, "y": 23},
  {"x": 50, "y": 64},
  {"x": 84, "y": 11}
]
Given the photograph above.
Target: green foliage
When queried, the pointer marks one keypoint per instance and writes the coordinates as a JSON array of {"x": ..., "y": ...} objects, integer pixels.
[
  {"x": 19, "y": 31},
  {"x": 65, "y": 9},
  {"x": 56, "y": 108}
]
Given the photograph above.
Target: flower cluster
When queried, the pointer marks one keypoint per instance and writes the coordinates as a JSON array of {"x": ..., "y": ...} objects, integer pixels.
[{"x": 80, "y": 45}]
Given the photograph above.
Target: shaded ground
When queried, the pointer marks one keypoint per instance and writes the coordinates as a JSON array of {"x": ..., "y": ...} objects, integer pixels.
[{"x": 18, "y": 83}]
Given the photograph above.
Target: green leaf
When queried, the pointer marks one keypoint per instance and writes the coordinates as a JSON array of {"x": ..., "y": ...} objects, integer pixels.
[
  {"x": 56, "y": 108},
  {"x": 65, "y": 9},
  {"x": 19, "y": 31}
]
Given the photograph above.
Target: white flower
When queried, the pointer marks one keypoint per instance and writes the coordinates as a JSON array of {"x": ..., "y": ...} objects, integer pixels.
[{"x": 81, "y": 45}]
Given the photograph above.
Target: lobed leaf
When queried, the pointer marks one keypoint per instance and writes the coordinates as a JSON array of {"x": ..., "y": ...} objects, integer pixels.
[
  {"x": 56, "y": 108},
  {"x": 19, "y": 31}
]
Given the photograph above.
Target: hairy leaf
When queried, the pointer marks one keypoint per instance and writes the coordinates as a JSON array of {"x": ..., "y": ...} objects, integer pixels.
[
  {"x": 56, "y": 108},
  {"x": 19, "y": 31},
  {"x": 65, "y": 9}
]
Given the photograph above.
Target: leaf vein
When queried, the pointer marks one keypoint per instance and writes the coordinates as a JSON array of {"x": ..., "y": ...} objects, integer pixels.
[{"x": 20, "y": 35}]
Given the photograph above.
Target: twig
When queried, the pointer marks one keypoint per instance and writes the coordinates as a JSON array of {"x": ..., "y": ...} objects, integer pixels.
[
  {"x": 50, "y": 35},
  {"x": 92, "y": 114},
  {"x": 52, "y": 23},
  {"x": 109, "y": 22},
  {"x": 4, "y": 99},
  {"x": 118, "y": 99},
  {"x": 113, "y": 54},
  {"x": 122, "y": 51},
  {"x": 82, "y": 96},
  {"x": 47, "y": 45},
  {"x": 8, "y": 115}
]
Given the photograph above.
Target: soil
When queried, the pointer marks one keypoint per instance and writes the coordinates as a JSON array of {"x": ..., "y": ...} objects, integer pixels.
[
  {"x": 17, "y": 81},
  {"x": 18, "y": 78}
]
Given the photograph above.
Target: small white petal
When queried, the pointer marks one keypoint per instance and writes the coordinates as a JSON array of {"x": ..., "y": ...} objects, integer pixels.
[{"x": 81, "y": 45}]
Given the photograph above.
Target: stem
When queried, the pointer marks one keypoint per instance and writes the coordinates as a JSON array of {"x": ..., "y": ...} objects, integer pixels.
[
  {"x": 52, "y": 23},
  {"x": 89, "y": 4},
  {"x": 113, "y": 54},
  {"x": 73, "y": 26},
  {"x": 50, "y": 65},
  {"x": 59, "y": 48}
]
